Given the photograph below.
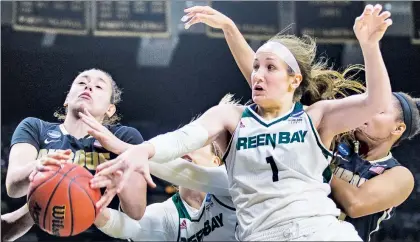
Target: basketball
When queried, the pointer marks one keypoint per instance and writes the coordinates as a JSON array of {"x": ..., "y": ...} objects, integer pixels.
[{"x": 61, "y": 201}]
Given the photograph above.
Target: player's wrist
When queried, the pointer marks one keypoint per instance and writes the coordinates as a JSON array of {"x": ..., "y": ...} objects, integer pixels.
[
  {"x": 103, "y": 218},
  {"x": 122, "y": 147}
]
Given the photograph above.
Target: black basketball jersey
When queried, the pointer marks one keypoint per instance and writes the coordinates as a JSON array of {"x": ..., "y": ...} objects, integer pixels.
[
  {"x": 48, "y": 137},
  {"x": 352, "y": 168}
]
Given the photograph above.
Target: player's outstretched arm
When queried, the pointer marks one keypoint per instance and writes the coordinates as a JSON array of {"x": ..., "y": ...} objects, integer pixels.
[
  {"x": 15, "y": 224},
  {"x": 345, "y": 114},
  {"x": 382, "y": 192},
  {"x": 241, "y": 51},
  {"x": 172, "y": 145},
  {"x": 184, "y": 173},
  {"x": 150, "y": 228}
]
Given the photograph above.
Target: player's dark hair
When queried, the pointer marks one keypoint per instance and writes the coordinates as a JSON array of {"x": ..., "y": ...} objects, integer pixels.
[
  {"x": 409, "y": 113},
  {"x": 61, "y": 113}
]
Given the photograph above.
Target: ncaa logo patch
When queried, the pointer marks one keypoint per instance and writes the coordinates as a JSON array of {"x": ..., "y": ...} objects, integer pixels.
[
  {"x": 296, "y": 118},
  {"x": 53, "y": 134},
  {"x": 343, "y": 149}
]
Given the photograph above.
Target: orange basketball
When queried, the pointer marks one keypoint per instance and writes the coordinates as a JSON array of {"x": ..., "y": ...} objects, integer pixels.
[{"x": 61, "y": 201}]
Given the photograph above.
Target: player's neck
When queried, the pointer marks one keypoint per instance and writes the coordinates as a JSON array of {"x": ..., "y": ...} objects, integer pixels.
[
  {"x": 191, "y": 197},
  {"x": 275, "y": 111},
  {"x": 75, "y": 127},
  {"x": 377, "y": 151}
]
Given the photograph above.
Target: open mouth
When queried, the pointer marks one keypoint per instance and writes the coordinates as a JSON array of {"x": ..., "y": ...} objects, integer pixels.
[
  {"x": 258, "y": 88},
  {"x": 187, "y": 157}
]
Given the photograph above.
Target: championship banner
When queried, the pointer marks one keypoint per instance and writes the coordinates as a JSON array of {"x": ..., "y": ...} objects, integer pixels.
[
  {"x": 52, "y": 17},
  {"x": 257, "y": 20},
  {"x": 415, "y": 8},
  {"x": 328, "y": 21},
  {"x": 131, "y": 18}
]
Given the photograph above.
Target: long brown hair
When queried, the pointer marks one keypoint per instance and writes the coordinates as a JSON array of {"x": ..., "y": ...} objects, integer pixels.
[{"x": 319, "y": 82}]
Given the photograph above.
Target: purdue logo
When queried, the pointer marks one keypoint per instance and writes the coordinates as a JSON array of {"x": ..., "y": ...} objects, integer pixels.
[
  {"x": 57, "y": 221},
  {"x": 90, "y": 160}
]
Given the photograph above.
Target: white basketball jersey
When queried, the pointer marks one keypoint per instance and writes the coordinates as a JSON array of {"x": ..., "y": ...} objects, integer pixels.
[
  {"x": 215, "y": 221},
  {"x": 275, "y": 172}
]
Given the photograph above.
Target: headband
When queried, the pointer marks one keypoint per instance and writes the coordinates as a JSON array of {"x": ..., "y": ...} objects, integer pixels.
[
  {"x": 407, "y": 114},
  {"x": 284, "y": 53}
]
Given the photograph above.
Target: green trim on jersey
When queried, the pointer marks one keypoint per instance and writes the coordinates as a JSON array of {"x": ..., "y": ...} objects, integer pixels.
[
  {"x": 182, "y": 211},
  {"x": 249, "y": 114},
  {"x": 327, "y": 175},
  {"x": 325, "y": 152}
]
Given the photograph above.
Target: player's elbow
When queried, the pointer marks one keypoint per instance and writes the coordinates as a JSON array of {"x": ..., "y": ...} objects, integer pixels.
[
  {"x": 138, "y": 214},
  {"x": 355, "y": 209},
  {"x": 12, "y": 191},
  {"x": 11, "y": 188},
  {"x": 14, "y": 188},
  {"x": 375, "y": 104}
]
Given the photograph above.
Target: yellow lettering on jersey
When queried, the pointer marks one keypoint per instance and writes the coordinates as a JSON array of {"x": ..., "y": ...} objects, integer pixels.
[
  {"x": 91, "y": 162},
  {"x": 80, "y": 158},
  {"x": 349, "y": 176},
  {"x": 103, "y": 157},
  {"x": 88, "y": 159}
]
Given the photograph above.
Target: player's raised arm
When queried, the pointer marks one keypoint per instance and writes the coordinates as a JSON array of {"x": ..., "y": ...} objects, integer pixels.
[
  {"x": 241, "y": 51},
  {"x": 369, "y": 29}
]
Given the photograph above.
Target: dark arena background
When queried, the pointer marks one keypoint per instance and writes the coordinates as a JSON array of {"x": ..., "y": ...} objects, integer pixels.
[{"x": 169, "y": 74}]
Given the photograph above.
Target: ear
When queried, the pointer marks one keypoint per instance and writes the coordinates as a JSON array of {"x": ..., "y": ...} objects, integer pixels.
[
  {"x": 111, "y": 110},
  {"x": 217, "y": 161},
  {"x": 297, "y": 79},
  {"x": 66, "y": 101},
  {"x": 399, "y": 129}
]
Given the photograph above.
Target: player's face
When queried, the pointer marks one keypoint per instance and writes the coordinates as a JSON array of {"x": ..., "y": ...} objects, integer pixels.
[
  {"x": 270, "y": 78},
  {"x": 91, "y": 89},
  {"x": 203, "y": 157},
  {"x": 381, "y": 127}
]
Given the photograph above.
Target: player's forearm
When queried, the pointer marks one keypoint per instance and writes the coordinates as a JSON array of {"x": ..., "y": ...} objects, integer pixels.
[
  {"x": 377, "y": 79},
  {"x": 241, "y": 51},
  {"x": 346, "y": 195},
  {"x": 116, "y": 224},
  {"x": 17, "y": 179},
  {"x": 133, "y": 197},
  {"x": 184, "y": 173},
  {"x": 16, "y": 224},
  {"x": 175, "y": 144}
]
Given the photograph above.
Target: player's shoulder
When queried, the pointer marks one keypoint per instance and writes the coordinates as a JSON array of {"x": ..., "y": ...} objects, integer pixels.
[
  {"x": 161, "y": 209},
  {"x": 126, "y": 133},
  {"x": 119, "y": 129},
  {"x": 38, "y": 123}
]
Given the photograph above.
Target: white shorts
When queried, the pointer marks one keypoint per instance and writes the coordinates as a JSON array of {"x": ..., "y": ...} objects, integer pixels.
[
  {"x": 334, "y": 231},
  {"x": 326, "y": 228}
]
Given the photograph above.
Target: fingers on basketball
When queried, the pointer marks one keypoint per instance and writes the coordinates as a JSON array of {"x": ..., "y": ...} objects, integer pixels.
[{"x": 61, "y": 201}]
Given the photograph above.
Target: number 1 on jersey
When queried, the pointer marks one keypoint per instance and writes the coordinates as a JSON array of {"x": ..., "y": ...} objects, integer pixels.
[{"x": 270, "y": 160}]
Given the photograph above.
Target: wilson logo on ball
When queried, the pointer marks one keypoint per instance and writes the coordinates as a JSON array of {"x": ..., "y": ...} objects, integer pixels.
[{"x": 57, "y": 221}]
